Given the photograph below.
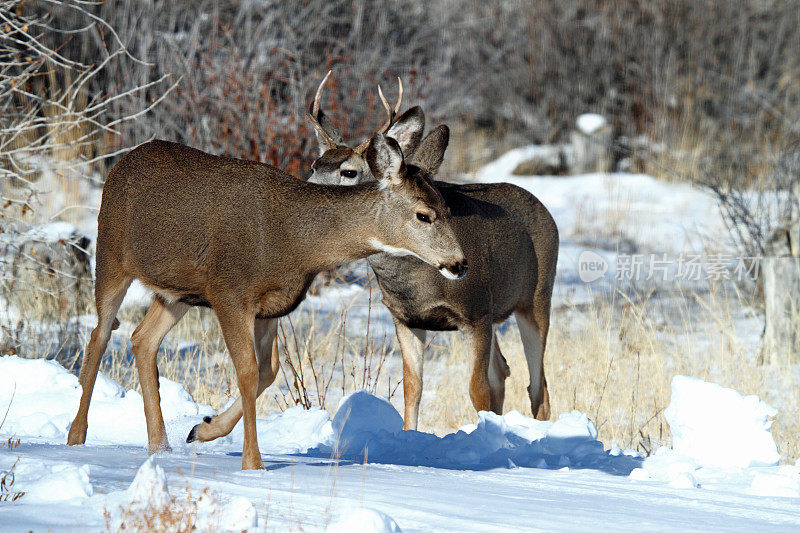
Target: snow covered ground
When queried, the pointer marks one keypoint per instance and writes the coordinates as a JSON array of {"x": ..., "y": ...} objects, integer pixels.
[
  {"x": 360, "y": 471},
  {"x": 357, "y": 471}
]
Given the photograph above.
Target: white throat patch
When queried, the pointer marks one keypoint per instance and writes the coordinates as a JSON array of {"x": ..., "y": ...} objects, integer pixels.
[{"x": 392, "y": 250}]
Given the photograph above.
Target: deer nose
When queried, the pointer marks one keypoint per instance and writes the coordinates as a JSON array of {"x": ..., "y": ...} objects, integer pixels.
[
  {"x": 460, "y": 269},
  {"x": 455, "y": 271}
]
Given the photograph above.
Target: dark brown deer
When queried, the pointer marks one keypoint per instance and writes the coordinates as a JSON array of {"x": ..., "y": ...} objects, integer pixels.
[
  {"x": 245, "y": 239},
  {"x": 511, "y": 243}
]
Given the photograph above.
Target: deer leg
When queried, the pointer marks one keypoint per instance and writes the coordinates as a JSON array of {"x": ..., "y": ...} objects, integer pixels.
[
  {"x": 533, "y": 343},
  {"x": 479, "y": 335},
  {"x": 109, "y": 293},
  {"x": 160, "y": 318},
  {"x": 498, "y": 372},
  {"x": 238, "y": 329},
  {"x": 412, "y": 345},
  {"x": 266, "y": 343}
]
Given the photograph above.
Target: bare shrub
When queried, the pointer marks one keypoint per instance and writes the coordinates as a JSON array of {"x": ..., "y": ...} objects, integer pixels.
[
  {"x": 7, "y": 478},
  {"x": 7, "y": 492},
  {"x": 53, "y": 127},
  {"x": 753, "y": 208},
  {"x": 322, "y": 364}
]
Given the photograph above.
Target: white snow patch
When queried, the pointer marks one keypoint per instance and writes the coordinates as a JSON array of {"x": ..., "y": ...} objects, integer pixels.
[
  {"x": 589, "y": 123},
  {"x": 504, "y": 166},
  {"x": 238, "y": 514},
  {"x": 149, "y": 486},
  {"x": 138, "y": 296},
  {"x": 361, "y": 416},
  {"x": 43, "y": 398},
  {"x": 54, "y": 483},
  {"x": 363, "y": 520},
  {"x": 370, "y": 428},
  {"x": 717, "y": 426},
  {"x": 53, "y": 232},
  {"x": 784, "y": 482}
]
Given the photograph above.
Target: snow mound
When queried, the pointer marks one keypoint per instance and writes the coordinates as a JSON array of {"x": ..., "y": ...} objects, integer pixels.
[
  {"x": 149, "y": 486},
  {"x": 360, "y": 416},
  {"x": 42, "y": 398},
  {"x": 363, "y": 520},
  {"x": 372, "y": 429},
  {"x": 148, "y": 501},
  {"x": 504, "y": 165},
  {"x": 54, "y": 483},
  {"x": 295, "y": 430},
  {"x": 238, "y": 514},
  {"x": 717, "y": 426},
  {"x": 589, "y": 123}
]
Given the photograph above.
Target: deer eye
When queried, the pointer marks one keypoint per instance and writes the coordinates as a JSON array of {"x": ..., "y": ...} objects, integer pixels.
[
  {"x": 349, "y": 174},
  {"x": 422, "y": 217}
]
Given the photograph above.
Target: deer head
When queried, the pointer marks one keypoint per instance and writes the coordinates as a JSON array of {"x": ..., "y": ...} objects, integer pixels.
[
  {"x": 339, "y": 164},
  {"x": 416, "y": 219}
]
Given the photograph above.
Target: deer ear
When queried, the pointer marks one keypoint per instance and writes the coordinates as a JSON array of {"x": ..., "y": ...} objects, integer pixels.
[
  {"x": 328, "y": 136},
  {"x": 385, "y": 160},
  {"x": 430, "y": 154},
  {"x": 407, "y": 129}
]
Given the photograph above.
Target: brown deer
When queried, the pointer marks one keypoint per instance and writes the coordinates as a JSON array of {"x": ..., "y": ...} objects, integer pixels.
[
  {"x": 245, "y": 239},
  {"x": 511, "y": 243}
]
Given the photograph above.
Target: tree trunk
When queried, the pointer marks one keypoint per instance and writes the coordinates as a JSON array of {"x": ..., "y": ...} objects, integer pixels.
[{"x": 781, "y": 277}]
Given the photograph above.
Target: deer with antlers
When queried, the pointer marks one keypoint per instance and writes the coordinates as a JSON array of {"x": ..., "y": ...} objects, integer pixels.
[
  {"x": 245, "y": 239},
  {"x": 507, "y": 235}
]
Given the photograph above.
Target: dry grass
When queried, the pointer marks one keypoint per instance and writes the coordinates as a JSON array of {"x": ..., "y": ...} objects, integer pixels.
[
  {"x": 471, "y": 148},
  {"x": 319, "y": 364},
  {"x": 178, "y": 513},
  {"x": 615, "y": 360}
]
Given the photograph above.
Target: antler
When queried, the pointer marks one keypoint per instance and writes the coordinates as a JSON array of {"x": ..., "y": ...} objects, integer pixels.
[
  {"x": 390, "y": 114},
  {"x": 319, "y": 121},
  {"x": 315, "y": 105}
]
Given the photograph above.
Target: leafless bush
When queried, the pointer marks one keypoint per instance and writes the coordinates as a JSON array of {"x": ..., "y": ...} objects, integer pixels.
[
  {"x": 54, "y": 126},
  {"x": 247, "y": 68},
  {"x": 753, "y": 209},
  {"x": 519, "y": 68},
  {"x": 317, "y": 358}
]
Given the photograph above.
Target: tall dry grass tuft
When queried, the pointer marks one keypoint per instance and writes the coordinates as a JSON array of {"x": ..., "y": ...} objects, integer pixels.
[
  {"x": 178, "y": 513},
  {"x": 614, "y": 359}
]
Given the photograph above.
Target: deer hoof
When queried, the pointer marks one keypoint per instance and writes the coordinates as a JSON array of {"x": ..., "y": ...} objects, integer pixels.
[{"x": 192, "y": 435}]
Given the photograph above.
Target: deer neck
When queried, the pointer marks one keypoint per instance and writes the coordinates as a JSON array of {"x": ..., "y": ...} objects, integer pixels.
[{"x": 345, "y": 224}]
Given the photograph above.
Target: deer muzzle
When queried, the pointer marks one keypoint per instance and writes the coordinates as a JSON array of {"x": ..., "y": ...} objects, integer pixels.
[{"x": 455, "y": 270}]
